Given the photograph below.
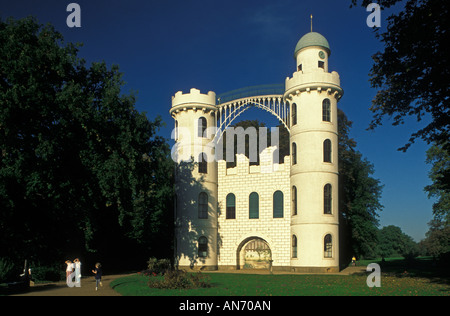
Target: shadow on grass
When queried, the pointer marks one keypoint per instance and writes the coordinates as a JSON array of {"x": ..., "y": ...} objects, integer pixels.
[{"x": 422, "y": 267}]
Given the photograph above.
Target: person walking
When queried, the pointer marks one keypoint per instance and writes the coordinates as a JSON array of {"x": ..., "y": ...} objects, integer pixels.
[
  {"x": 98, "y": 275},
  {"x": 77, "y": 264},
  {"x": 69, "y": 273}
]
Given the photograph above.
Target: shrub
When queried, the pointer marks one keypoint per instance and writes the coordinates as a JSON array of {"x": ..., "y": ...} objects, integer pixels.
[
  {"x": 179, "y": 279},
  {"x": 47, "y": 273},
  {"x": 157, "y": 266},
  {"x": 6, "y": 270}
]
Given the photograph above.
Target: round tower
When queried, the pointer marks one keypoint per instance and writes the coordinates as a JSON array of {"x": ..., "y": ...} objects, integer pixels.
[
  {"x": 313, "y": 93},
  {"x": 195, "y": 179}
]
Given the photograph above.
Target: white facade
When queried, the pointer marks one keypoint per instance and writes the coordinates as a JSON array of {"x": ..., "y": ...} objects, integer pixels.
[{"x": 280, "y": 215}]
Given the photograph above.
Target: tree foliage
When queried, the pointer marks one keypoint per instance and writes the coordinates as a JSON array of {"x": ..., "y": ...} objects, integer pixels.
[
  {"x": 412, "y": 72},
  {"x": 393, "y": 242},
  {"x": 439, "y": 158},
  {"x": 80, "y": 167},
  {"x": 359, "y": 195}
]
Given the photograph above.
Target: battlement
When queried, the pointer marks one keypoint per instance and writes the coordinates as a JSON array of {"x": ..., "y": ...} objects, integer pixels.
[
  {"x": 267, "y": 164},
  {"x": 194, "y": 97},
  {"x": 313, "y": 81}
]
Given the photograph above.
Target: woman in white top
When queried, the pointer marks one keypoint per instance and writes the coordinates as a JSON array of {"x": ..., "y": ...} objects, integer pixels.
[
  {"x": 69, "y": 271},
  {"x": 77, "y": 264}
]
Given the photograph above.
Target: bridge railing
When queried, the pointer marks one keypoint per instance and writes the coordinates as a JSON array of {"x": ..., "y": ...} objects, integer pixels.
[{"x": 266, "y": 89}]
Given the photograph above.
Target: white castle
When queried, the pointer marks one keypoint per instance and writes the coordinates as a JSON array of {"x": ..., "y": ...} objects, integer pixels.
[{"x": 282, "y": 216}]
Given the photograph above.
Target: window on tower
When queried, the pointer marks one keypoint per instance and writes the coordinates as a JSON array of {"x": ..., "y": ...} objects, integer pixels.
[
  {"x": 201, "y": 127},
  {"x": 294, "y": 153},
  {"x": 203, "y": 247},
  {"x": 294, "y": 246},
  {"x": 327, "y": 150},
  {"x": 294, "y": 200},
  {"x": 326, "y": 110},
  {"x": 203, "y": 205},
  {"x": 202, "y": 163},
  {"x": 294, "y": 114},
  {"x": 327, "y": 199},
  {"x": 328, "y": 246},
  {"x": 300, "y": 67},
  {"x": 321, "y": 64}
]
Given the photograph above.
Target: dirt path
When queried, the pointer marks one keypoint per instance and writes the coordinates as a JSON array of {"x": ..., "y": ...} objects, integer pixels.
[{"x": 87, "y": 288}]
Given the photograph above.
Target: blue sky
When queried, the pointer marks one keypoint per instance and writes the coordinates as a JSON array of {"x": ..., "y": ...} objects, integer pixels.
[{"x": 165, "y": 46}]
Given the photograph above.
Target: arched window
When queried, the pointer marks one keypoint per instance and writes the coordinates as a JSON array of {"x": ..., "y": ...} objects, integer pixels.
[
  {"x": 327, "y": 150},
  {"x": 203, "y": 247},
  {"x": 253, "y": 205},
  {"x": 294, "y": 153},
  {"x": 278, "y": 204},
  {"x": 327, "y": 199},
  {"x": 202, "y": 163},
  {"x": 201, "y": 127},
  {"x": 294, "y": 246},
  {"x": 231, "y": 206},
  {"x": 176, "y": 130},
  {"x": 203, "y": 205},
  {"x": 326, "y": 110},
  {"x": 294, "y": 200},
  {"x": 294, "y": 114},
  {"x": 328, "y": 246}
]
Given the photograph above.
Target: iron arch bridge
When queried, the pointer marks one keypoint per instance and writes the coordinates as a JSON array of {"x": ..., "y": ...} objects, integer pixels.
[{"x": 234, "y": 103}]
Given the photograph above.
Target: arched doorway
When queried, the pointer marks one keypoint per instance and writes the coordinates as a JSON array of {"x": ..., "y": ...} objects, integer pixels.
[{"x": 254, "y": 253}]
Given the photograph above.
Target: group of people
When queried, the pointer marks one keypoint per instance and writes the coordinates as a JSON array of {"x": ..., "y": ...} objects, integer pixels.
[{"x": 73, "y": 270}]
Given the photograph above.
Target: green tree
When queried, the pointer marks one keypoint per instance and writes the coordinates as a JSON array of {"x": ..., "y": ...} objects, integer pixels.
[
  {"x": 81, "y": 168},
  {"x": 437, "y": 241},
  {"x": 412, "y": 74},
  {"x": 359, "y": 196},
  {"x": 393, "y": 242},
  {"x": 439, "y": 158}
]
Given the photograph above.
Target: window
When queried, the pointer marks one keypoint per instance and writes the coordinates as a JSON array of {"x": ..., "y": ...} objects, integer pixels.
[
  {"x": 203, "y": 205},
  {"x": 326, "y": 110},
  {"x": 202, "y": 163},
  {"x": 294, "y": 200},
  {"x": 294, "y": 114},
  {"x": 201, "y": 127},
  {"x": 328, "y": 246},
  {"x": 327, "y": 199},
  {"x": 278, "y": 204},
  {"x": 231, "y": 206},
  {"x": 294, "y": 246},
  {"x": 294, "y": 153},
  {"x": 203, "y": 247},
  {"x": 253, "y": 205},
  {"x": 300, "y": 67},
  {"x": 321, "y": 64},
  {"x": 176, "y": 130},
  {"x": 327, "y": 150}
]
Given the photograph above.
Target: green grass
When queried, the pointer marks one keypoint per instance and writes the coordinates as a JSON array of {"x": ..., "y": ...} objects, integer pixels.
[{"x": 228, "y": 284}]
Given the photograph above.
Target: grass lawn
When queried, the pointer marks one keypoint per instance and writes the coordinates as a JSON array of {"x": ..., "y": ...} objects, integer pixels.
[{"x": 228, "y": 284}]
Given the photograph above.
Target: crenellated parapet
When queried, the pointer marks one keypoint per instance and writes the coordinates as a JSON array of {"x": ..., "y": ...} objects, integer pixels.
[
  {"x": 266, "y": 165},
  {"x": 193, "y": 100},
  {"x": 320, "y": 81}
]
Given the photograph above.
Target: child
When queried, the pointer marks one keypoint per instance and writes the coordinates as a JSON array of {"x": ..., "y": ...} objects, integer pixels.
[{"x": 98, "y": 275}]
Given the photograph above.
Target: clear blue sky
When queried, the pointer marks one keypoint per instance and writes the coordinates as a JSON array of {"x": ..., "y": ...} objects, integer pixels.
[{"x": 165, "y": 46}]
